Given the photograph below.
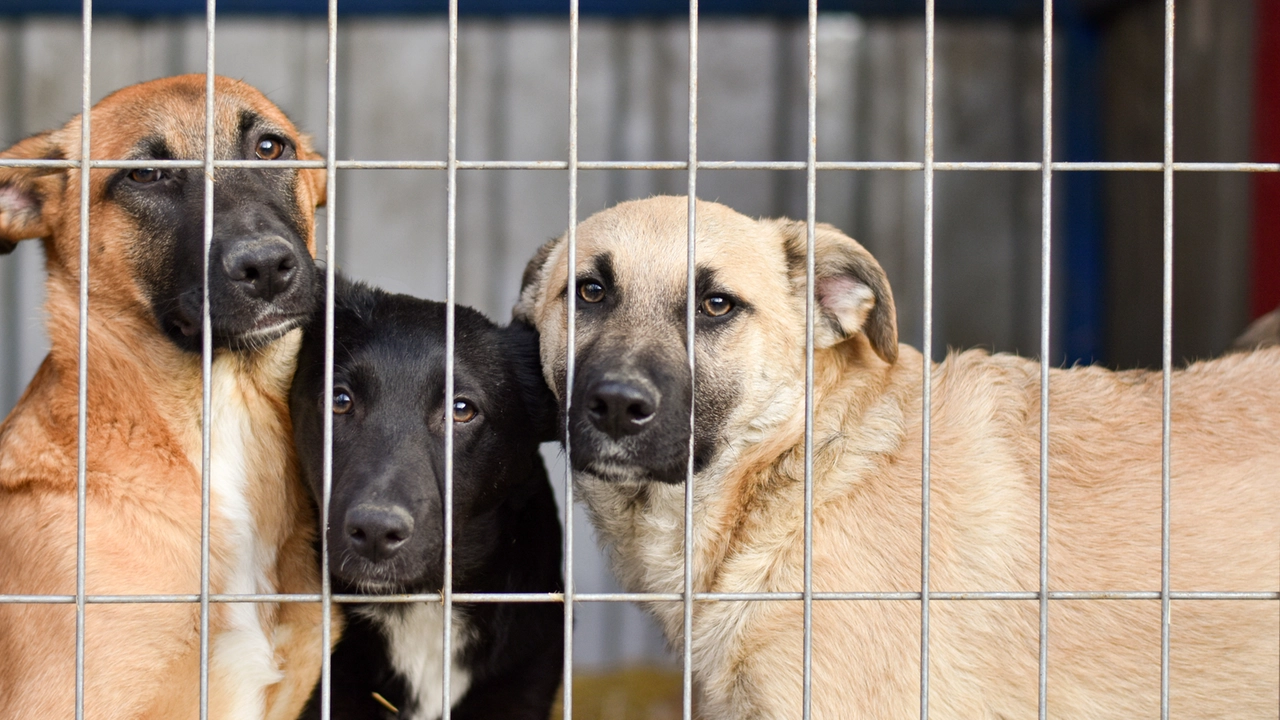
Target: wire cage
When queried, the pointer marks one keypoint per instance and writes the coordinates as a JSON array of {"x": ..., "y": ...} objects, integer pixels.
[{"x": 1048, "y": 168}]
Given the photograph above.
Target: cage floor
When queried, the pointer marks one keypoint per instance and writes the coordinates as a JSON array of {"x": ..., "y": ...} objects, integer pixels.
[{"x": 629, "y": 693}]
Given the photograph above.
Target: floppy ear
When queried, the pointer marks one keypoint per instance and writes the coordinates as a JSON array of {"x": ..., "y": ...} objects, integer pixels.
[
  {"x": 521, "y": 340},
  {"x": 24, "y": 191},
  {"x": 850, "y": 288},
  {"x": 314, "y": 178},
  {"x": 531, "y": 282}
]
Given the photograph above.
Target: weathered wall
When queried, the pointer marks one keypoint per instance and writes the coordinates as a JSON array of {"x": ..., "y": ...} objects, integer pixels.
[
  {"x": 1213, "y": 122},
  {"x": 513, "y": 92}
]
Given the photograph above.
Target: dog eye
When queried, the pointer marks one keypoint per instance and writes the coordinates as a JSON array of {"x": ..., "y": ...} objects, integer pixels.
[
  {"x": 342, "y": 402},
  {"x": 591, "y": 291},
  {"x": 146, "y": 175},
  {"x": 463, "y": 411},
  {"x": 270, "y": 148},
  {"x": 716, "y": 305}
]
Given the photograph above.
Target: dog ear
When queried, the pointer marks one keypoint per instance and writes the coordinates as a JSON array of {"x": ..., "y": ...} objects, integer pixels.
[
  {"x": 531, "y": 282},
  {"x": 314, "y": 178},
  {"x": 22, "y": 192},
  {"x": 851, "y": 289},
  {"x": 522, "y": 347}
]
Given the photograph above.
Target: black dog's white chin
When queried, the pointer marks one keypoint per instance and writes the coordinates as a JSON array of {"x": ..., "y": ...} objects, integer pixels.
[{"x": 390, "y": 577}]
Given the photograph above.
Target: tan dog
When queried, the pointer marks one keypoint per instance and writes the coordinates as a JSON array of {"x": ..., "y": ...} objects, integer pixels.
[
  {"x": 1263, "y": 332},
  {"x": 629, "y": 431},
  {"x": 143, "y": 504}
]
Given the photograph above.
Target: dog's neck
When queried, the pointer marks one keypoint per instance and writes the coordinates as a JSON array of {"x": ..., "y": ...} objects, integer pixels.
[
  {"x": 643, "y": 526},
  {"x": 415, "y": 649},
  {"x": 136, "y": 373},
  {"x": 143, "y": 395}
]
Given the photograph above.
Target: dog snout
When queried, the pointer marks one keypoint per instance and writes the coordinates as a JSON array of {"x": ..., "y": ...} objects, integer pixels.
[
  {"x": 378, "y": 531},
  {"x": 620, "y": 408},
  {"x": 261, "y": 267}
]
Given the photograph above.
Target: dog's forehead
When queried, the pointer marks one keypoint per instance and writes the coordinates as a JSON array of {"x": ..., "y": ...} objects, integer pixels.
[
  {"x": 401, "y": 340},
  {"x": 647, "y": 244},
  {"x": 134, "y": 121}
]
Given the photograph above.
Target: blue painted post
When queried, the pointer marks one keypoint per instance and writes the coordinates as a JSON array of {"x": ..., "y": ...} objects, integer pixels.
[{"x": 1084, "y": 280}]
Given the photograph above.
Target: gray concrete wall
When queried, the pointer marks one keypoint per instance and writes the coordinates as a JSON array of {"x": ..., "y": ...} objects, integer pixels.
[{"x": 513, "y": 92}]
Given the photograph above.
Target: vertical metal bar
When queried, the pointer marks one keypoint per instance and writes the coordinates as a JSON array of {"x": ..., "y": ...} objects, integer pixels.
[
  {"x": 451, "y": 237},
  {"x": 14, "y": 107},
  {"x": 206, "y": 358},
  {"x": 811, "y": 204},
  {"x": 927, "y": 379},
  {"x": 567, "y": 689},
  {"x": 690, "y": 306},
  {"x": 1166, "y": 342},
  {"x": 928, "y": 357},
  {"x": 1046, "y": 255},
  {"x": 331, "y": 258},
  {"x": 82, "y": 388}
]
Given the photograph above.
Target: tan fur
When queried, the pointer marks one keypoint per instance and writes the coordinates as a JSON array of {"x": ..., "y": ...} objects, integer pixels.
[
  {"x": 1263, "y": 332},
  {"x": 1104, "y": 503},
  {"x": 143, "y": 448}
]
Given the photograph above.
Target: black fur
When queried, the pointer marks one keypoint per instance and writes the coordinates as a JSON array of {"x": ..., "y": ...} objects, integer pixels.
[{"x": 389, "y": 447}]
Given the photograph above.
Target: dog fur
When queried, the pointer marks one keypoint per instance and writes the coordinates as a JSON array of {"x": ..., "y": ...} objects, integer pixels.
[
  {"x": 1104, "y": 487},
  {"x": 386, "y": 524},
  {"x": 1263, "y": 332},
  {"x": 143, "y": 444}
]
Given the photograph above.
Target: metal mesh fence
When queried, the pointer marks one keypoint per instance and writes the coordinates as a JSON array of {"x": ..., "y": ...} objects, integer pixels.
[{"x": 812, "y": 167}]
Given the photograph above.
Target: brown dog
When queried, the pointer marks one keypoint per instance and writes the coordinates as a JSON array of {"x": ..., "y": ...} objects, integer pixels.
[
  {"x": 143, "y": 504},
  {"x": 630, "y": 433}
]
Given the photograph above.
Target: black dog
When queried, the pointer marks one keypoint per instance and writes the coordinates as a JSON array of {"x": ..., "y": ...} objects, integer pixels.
[{"x": 386, "y": 519}]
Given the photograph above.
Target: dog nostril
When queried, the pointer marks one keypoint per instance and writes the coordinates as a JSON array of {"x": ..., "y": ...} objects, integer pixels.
[
  {"x": 620, "y": 407},
  {"x": 378, "y": 531},
  {"x": 639, "y": 412},
  {"x": 262, "y": 267}
]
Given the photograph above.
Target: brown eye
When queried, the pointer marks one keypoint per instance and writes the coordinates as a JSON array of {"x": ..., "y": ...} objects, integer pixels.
[
  {"x": 716, "y": 305},
  {"x": 270, "y": 148},
  {"x": 463, "y": 410},
  {"x": 591, "y": 291},
  {"x": 146, "y": 175},
  {"x": 342, "y": 402}
]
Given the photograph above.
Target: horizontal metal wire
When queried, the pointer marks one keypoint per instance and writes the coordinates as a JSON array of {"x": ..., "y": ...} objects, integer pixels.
[
  {"x": 993, "y": 166},
  {"x": 641, "y": 597},
  {"x": 1167, "y": 166}
]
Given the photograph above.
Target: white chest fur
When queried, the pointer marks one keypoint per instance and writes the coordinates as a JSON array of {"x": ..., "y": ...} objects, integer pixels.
[
  {"x": 415, "y": 639},
  {"x": 241, "y": 655}
]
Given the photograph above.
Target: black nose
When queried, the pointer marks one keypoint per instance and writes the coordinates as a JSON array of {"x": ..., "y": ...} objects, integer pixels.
[
  {"x": 378, "y": 531},
  {"x": 262, "y": 267},
  {"x": 620, "y": 408}
]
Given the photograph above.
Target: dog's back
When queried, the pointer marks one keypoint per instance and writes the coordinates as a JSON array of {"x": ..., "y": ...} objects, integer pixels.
[{"x": 1104, "y": 535}]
